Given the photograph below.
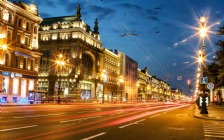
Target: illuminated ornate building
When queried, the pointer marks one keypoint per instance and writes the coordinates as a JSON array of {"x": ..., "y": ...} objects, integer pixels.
[
  {"x": 19, "y": 58},
  {"x": 70, "y": 64},
  {"x": 110, "y": 71},
  {"x": 144, "y": 84},
  {"x": 128, "y": 69}
]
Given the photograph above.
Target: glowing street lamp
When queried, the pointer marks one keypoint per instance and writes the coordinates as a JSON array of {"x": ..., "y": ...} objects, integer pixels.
[
  {"x": 202, "y": 58},
  {"x": 60, "y": 64}
]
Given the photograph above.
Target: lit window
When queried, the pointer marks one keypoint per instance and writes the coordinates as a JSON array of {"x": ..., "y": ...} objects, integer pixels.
[{"x": 6, "y": 15}]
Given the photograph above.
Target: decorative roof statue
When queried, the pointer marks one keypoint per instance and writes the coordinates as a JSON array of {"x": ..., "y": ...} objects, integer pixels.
[
  {"x": 96, "y": 28},
  {"x": 78, "y": 13}
]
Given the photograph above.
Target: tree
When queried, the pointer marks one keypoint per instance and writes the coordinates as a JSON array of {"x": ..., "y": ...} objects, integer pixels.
[{"x": 215, "y": 70}]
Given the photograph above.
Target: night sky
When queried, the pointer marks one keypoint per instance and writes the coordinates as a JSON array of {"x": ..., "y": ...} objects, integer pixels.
[{"x": 166, "y": 40}]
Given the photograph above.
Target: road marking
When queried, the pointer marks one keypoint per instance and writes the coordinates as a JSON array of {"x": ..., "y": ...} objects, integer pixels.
[
  {"x": 181, "y": 115},
  {"x": 131, "y": 123},
  {"x": 38, "y": 116},
  {"x": 85, "y": 112},
  {"x": 79, "y": 119},
  {"x": 154, "y": 116},
  {"x": 174, "y": 128},
  {"x": 18, "y": 128},
  {"x": 94, "y": 136}
]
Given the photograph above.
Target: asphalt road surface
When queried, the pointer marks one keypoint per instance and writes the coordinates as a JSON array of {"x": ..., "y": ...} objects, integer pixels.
[{"x": 142, "y": 121}]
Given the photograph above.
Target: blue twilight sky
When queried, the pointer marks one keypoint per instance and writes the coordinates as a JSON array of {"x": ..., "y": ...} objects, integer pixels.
[{"x": 166, "y": 40}]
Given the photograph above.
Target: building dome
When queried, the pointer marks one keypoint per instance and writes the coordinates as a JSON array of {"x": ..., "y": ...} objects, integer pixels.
[{"x": 34, "y": 8}]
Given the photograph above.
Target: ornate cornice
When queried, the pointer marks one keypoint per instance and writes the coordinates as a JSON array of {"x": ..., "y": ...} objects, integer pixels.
[{"x": 21, "y": 11}]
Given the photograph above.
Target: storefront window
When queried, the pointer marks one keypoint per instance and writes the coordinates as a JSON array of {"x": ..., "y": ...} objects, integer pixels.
[
  {"x": 31, "y": 85},
  {"x": 5, "y": 85},
  {"x": 23, "y": 88},
  {"x": 15, "y": 85}
]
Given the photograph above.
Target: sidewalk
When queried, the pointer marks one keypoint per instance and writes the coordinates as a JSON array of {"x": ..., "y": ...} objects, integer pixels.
[{"x": 215, "y": 112}]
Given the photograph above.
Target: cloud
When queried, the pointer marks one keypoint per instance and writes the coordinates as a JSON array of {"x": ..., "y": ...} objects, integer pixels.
[
  {"x": 45, "y": 15},
  {"x": 154, "y": 18},
  {"x": 187, "y": 62},
  {"x": 129, "y": 6},
  {"x": 174, "y": 64},
  {"x": 100, "y": 11}
]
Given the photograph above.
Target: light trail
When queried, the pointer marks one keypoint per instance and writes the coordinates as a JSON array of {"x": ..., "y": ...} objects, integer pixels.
[
  {"x": 97, "y": 135},
  {"x": 102, "y": 122},
  {"x": 10, "y": 129}
]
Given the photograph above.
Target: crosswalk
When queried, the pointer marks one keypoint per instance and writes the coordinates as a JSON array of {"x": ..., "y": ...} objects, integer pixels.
[{"x": 213, "y": 129}]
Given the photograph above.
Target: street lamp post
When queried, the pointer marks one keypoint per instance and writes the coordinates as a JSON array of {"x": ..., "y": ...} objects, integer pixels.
[
  {"x": 60, "y": 64},
  {"x": 121, "y": 81},
  {"x": 104, "y": 79},
  {"x": 202, "y": 59}
]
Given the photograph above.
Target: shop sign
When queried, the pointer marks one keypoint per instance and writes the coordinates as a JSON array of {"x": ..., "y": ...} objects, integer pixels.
[
  {"x": 19, "y": 53},
  {"x": 5, "y": 73},
  {"x": 18, "y": 75}
]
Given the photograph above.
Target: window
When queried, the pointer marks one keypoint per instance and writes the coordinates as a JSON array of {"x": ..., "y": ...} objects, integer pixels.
[
  {"x": 18, "y": 38},
  {"x": 20, "y": 22},
  {"x": 35, "y": 30},
  {"x": 27, "y": 40},
  {"x": 17, "y": 62},
  {"x": 6, "y": 59},
  {"x": 5, "y": 15},
  {"x": 31, "y": 65},
  {"x": 27, "y": 26},
  {"x": 9, "y": 36},
  {"x": 87, "y": 64},
  {"x": 10, "y": 18},
  {"x": 23, "y": 88},
  {"x": 24, "y": 63},
  {"x": 15, "y": 86}
]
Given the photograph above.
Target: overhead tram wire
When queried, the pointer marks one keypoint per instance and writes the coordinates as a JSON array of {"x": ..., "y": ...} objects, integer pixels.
[{"x": 163, "y": 70}]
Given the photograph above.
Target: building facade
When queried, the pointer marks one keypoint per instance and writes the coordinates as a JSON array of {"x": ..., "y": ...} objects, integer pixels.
[
  {"x": 144, "y": 85},
  {"x": 110, "y": 76},
  {"x": 70, "y": 64},
  {"x": 19, "y": 58},
  {"x": 128, "y": 70}
]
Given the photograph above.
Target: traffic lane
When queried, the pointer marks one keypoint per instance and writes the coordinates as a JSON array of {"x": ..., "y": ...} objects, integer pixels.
[
  {"x": 169, "y": 125},
  {"x": 106, "y": 123},
  {"x": 71, "y": 113},
  {"x": 50, "y": 125}
]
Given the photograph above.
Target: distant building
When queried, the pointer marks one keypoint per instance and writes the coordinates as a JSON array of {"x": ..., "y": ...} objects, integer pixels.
[
  {"x": 19, "y": 58},
  {"x": 128, "y": 69},
  {"x": 144, "y": 85},
  {"x": 70, "y": 64}
]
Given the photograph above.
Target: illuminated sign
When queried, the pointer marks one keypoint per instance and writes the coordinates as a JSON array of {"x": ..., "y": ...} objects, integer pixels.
[
  {"x": 18, "y": 75},
  {"x": 5, "y": 73}
]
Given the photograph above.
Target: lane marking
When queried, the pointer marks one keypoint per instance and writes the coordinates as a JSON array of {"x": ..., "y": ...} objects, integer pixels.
[
  {"x": 79, "y": 119},
  {"x": 18, "y": 128},
  {"x": 38, "y": 116},
  {"x": 213, "y": 136},
  {"x": 181, "y": 115},
  {"x": 94, "y": 136},
  {"x": 154, "y": 116},
  {"x": 174, "y": 128},
  {"x": 85, "y": 112},
  {"x": 131, "y": 123}
]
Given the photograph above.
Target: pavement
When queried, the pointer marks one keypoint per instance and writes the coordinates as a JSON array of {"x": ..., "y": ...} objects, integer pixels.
[{"x": 215, "y": 112}]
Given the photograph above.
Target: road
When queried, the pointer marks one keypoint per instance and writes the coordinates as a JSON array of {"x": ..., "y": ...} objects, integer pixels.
[{"x": 142, "y": 121}]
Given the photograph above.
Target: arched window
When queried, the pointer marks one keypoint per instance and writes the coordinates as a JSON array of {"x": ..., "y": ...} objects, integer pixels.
[{"x": 87, "y": 64}]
